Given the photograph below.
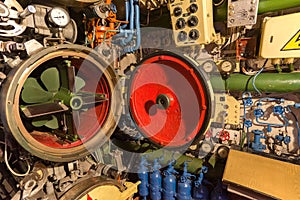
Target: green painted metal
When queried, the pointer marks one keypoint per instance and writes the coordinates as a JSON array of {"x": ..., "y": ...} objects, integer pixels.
[
  {"x": 194, "y": 164},
  {"x": 48, "y": 121},
  {"x": 64, "y": 95},
  {"x": 275, "y": 5},
  {"x": 79, "y": 84},
  {"x": 50, "y": 78},
  {"x": 265, "y": 82},
  {"x": 34, "y": 93},
  {"x": 220, "y": 13}
]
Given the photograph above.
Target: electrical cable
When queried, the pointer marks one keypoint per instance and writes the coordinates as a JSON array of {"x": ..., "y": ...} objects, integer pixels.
[
  {"x": 8, "y": 166},
  {"x": 255, "y": 77}
]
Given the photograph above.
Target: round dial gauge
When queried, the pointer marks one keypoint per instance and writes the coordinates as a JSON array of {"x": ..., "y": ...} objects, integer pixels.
[
  {"x": 206, "y": 147},
  {"x": 208, "y": 66},
  {"x": 59, "y": 17},
  {"x": 227, "y": 66}
]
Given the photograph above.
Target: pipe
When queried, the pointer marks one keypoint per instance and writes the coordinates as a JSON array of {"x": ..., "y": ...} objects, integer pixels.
[
  {"x": 138, "y": 30},
  {"x": 126, "y": 13},
  {"x": 138, "y": 26},
  {"x": 265, "y": 82},
  {"x": 194, "y": 165},
  {"x": 220, "y": 12},
  {"x": 128, "y": 39}
]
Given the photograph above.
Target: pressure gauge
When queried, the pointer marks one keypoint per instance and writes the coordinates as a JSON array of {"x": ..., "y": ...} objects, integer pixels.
[
  {"x": 59, "y": 17},
  {"x": 205, "y": 148},
  {"x": 208, "y": 66},
  {"x": 227, "y": 66}
]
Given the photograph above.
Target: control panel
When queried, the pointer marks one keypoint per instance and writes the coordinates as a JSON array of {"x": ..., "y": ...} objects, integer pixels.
[
  {"x": 242, "y": 12},
  {"x": 192, "y": 22}
]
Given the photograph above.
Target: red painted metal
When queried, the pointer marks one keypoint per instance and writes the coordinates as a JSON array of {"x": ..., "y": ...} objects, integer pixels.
[
  {"x": 180, "y": 122},
  {"x": 224, "y": 135}
]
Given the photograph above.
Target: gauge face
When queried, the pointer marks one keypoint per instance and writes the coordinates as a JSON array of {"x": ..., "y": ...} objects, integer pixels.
[
  {"x": 59, "y": 17},
  {"x": 206, "y": 147},
  {"x": 208, "y": 66},
  {"x": 227, "y": 66}
]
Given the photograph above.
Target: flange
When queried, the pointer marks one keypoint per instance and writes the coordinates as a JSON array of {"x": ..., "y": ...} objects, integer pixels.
[{"x": 61, "y": 103}]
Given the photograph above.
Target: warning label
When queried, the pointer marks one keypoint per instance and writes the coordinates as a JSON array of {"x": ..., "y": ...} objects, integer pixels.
[{"x": 293, "y": 43}]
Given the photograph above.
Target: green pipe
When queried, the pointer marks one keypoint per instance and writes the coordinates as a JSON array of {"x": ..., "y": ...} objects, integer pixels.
[
  {"x": 275, "y": 5},
  {"x": 265, "y": 82},
  {"x": 216, "y": 166},
  {"x": 194, "y": 164},
  {"x": 220, "y": 13}
]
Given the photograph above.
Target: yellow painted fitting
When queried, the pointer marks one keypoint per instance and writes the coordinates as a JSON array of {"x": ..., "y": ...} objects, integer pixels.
[
  {"x": 288, "y": 61},
  {"x": 132, "y": 188},
  {"x": 276, "y": 61}
]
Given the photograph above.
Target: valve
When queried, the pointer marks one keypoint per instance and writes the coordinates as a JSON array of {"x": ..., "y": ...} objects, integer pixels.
[
  {"x": 256, "y": 144},
  {"x": 185, "y": 185},
  {"x": 247, "y": 99},
  {"x": 224, "y": 135},
  {"x": 155, "y": 181},
  {"x": 169, "y": 182},
  {"x": 278, "y": 110},
  {"x": 200, "y": 192},
  {"x": 258, "y": 112},
  {"x": 248, "y": 123}
]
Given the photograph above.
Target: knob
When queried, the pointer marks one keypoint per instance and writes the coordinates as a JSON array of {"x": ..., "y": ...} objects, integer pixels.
[
  {"x": 177, "y": 11},
  {"x": 193, "y": 21},
  {"x": 180, "y": 23},
  {"x": 182, "y": 36},
  {"x": 27, "y": 11},
  {"x": 193, "y": 8},
  {"x": 194, "y": 34}
]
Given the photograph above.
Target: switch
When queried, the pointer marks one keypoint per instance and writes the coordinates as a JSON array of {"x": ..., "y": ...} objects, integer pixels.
[
  {"x": 194, "y": 34},
  {"x": 177, "y": 11},
  {"x": 193, "y": 21},
  {"x": 193, "y": 8},
  {"x": 180, "y": 23},
  {"x": 182, "y": 36}
]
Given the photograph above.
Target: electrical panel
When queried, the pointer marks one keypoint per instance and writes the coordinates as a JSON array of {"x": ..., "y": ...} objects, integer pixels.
[
  {"x": 277, "y": 42},
  {"x": 242, "y": 12},
  {"x": 192, "y": 22}
]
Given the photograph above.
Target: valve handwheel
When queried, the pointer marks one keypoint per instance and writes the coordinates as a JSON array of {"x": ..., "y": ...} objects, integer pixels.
[
  {"x": 224, "y": 135},
  {"x": 169, "y": 99}
]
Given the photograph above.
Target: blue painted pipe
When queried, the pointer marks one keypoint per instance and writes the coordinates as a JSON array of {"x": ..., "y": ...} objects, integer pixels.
[
  {"x": 128, "y": 38},
  {"x": 138, "y": 30},
  {"x": 126, "y": 14}
]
